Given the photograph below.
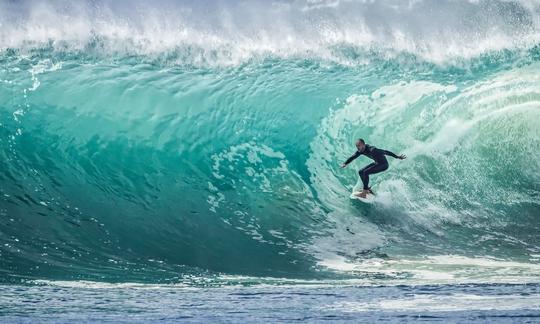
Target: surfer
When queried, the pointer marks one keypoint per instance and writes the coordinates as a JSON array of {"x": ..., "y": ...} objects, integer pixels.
[{"x": 380, "y": 164}]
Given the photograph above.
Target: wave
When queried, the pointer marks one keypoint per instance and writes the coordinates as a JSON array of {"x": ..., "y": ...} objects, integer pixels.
[{"x": 124, "y": 167}]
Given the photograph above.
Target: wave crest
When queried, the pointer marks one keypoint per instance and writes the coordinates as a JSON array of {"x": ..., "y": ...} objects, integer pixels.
[{"x": 230, "y": 33}]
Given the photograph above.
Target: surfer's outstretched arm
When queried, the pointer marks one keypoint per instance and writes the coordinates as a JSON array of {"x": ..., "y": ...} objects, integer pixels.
[
  {"x": 401, "y": 157},
  {"x": 349, "y": 160}
]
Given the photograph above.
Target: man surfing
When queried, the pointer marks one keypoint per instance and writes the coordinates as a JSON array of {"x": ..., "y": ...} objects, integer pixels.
[{"x": 380, "y": 164}]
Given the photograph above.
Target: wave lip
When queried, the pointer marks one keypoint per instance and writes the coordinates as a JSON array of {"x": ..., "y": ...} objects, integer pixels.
[{"x": 230, "y": 33}]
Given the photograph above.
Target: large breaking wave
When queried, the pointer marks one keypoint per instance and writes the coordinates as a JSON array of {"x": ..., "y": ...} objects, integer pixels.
[{"x": 148, "y": 142}]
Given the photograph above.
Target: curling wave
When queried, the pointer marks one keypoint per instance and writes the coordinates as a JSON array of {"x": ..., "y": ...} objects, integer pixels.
[{"x": 138, "y": 143}]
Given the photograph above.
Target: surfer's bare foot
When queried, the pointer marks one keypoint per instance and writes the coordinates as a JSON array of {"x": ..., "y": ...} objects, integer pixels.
[{"x": 363, "y": 194}]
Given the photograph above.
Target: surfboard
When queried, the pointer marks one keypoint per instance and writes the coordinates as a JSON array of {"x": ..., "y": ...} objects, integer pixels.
[{"x": 369, "y": 198}]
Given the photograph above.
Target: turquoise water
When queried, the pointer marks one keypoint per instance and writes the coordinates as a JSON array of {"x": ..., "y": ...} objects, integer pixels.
[{"x": 198, "y": 145}]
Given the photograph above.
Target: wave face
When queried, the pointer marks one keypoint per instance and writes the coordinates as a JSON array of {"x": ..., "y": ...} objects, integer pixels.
[{"x": 156, "y": 142}]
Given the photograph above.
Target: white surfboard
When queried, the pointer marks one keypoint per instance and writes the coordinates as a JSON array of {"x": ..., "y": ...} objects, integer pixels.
[{"x": 369, "y": 198}]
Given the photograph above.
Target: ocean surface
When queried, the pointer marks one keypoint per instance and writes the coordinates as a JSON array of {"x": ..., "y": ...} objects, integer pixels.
[{"x": 179, "y": 160}]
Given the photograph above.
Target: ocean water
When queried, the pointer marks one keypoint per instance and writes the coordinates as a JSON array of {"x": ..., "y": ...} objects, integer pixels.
[{"x": 179, "y": 160}]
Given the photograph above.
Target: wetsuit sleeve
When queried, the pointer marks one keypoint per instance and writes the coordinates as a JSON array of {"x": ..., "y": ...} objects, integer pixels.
[
  {"x": 385, "y": 152},
  {"x": 354, "y": 156}
]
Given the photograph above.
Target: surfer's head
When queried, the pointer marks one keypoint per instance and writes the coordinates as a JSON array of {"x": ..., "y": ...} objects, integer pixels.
[{"x": 360, "y": 144}]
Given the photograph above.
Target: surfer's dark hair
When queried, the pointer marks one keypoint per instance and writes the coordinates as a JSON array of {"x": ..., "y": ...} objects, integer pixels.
[{"x": 361, "y": 140}]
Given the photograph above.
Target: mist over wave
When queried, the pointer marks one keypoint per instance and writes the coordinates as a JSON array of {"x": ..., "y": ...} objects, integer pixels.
[{"x": 226, "y": 32}]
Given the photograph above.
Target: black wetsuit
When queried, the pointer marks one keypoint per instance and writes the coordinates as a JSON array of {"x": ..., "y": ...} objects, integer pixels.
[{"x": 379, "y": 165}]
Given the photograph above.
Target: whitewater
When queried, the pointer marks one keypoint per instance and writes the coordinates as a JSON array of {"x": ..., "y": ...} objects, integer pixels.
[{"x": 181, "y": 160}]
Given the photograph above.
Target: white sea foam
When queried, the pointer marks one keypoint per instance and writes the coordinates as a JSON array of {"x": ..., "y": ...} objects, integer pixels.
[
  {"x": 444, "y": 303},
  {"x": 434, "y": 270},
  {"x": 230, "y": 32}
]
